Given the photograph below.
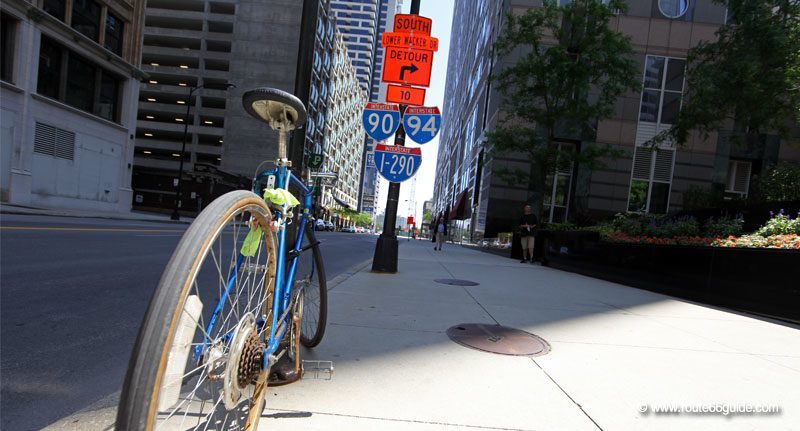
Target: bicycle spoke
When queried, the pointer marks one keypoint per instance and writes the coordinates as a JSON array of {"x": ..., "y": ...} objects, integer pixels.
[{"x": 231, "y": 288}]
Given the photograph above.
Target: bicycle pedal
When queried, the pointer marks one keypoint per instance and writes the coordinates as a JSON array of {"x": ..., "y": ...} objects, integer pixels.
[{"x": 317, "y": 370}]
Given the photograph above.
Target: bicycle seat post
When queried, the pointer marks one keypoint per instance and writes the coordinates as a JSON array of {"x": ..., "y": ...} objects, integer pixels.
[{"x": 282, "y": 153}]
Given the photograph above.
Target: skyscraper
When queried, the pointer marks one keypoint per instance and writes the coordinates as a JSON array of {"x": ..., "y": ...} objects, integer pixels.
[
  {"x": 642, "y": 180},
  {"x": 193, "y": 52},
  {"x": 377, "y": 92},
  {"x": 357, "y": 21},
  {"x": 335, "y": 102}
]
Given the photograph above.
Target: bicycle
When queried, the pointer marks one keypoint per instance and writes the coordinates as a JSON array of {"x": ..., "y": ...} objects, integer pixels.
[{"x": 234, "y": 299}]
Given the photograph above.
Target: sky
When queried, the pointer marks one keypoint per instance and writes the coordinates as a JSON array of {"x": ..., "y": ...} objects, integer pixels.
[{"x": 441, "y": 12}]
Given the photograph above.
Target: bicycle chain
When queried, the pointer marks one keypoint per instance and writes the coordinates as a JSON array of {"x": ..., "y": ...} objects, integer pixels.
[{"x": 251, "y": 360}]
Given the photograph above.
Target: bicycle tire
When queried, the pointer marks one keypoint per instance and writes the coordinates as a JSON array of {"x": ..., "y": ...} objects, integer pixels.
[
  {"x": 145, "y": 381},
  {"x": 315, "y": 291}
]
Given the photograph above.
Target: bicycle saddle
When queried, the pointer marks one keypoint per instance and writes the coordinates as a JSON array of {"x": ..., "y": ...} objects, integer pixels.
[{"x": 279, "y": 109}]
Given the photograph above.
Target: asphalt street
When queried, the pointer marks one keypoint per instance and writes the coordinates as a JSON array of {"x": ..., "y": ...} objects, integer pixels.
[{"x": 72, "y": 295}]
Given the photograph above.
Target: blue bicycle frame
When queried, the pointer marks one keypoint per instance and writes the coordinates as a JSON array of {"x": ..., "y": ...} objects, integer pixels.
[{"x": 283, "y": 281}]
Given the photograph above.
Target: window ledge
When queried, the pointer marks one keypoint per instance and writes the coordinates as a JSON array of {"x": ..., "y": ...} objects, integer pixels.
[
  {"x": 80, "y": 112},
  {"x": 9, "y": 86},
  {"x": 60, "y": 31}
]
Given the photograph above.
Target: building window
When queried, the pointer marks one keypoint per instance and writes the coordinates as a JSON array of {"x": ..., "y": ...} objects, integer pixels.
[
  {"x": 7, "y": 42},
  {"x": 651, "y": 179},
  {"x": 86, "y": 18},
  {"x": 107, "y": 102},
  {"x": 81, "y": 79},
  {"x": 56, "y": 8},
  {"x": 738, "y": 181},
  {"x": 49, "y": 77},
  {"x": 91, "y": 88},
  {"x": 673, "y": 8},
  {"x": 663, "y": 86},
  {"x": 115, "y": 28}
]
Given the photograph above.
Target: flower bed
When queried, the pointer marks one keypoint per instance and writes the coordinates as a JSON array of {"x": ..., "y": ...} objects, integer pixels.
[
  {"x": 780, "y": 231},
  {"x": 713, "y": 262},
  {"x": 789, "y": 241}
]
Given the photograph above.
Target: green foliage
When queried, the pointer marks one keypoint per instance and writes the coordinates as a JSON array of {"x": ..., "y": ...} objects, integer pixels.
[
  {"x": 562, "y": 55},
  {"x": 672, "y": 228},
  {"x": 655, "y": 226},
  {"x": 358, "y": 218},
  {"x": 751, "y": 74},
  {"x": 723, "y": 227},
  {"x": 780, "y": 184},
  {"x": 780, "y": 224},
  {"x": 560, "y": 227},
  {"x": 426, "y": 216}
]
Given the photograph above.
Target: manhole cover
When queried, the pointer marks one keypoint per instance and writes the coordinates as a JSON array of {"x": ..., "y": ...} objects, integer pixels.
[
  {"x": 456, "y": 282},
  {"x": 498, "y": 339}
]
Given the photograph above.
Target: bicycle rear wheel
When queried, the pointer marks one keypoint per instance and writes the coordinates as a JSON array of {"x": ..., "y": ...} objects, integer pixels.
[
  {"x": 197, "y": 362},
  {"x": 310, "y": 275}
]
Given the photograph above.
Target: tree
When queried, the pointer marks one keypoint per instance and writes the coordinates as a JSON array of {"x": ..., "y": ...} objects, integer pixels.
[
  {"x": 426, "y": 216},
  {"x": 358, "y": 218},
  {"x": 572, "y": 67},
  {"x": 750, "y": 75}
]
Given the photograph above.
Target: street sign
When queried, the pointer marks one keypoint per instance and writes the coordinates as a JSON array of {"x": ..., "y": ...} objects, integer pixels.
[
  {"x": 396, "y": 163},
  {"x": 315, "y": 160},
  {"x": 407, "y": 23},
  {"x": 422, "y": 123},
  {"x": 368, "y": 209},
  {"x": 370, "y": 160},
  {"x": 381, "y": 120},
  {"x": 409, "y": 40},
  {"x": 407, "y": 66},
  {"x": 410, "y": 220},
  {"x": 405, "y": 95}
]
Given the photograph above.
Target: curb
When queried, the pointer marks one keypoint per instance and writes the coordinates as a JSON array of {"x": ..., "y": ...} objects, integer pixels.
[
  {"x": 349, "y": 272},
  {"x": 56, "y": 213}
]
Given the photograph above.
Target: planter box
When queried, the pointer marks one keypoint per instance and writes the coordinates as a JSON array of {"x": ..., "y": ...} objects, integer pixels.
[{"x": 762, "y": 281}]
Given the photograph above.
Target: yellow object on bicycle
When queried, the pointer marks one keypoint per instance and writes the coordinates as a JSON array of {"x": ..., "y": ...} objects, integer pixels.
[
  {"x": 251, "y": 242},
  {"x": 280, "y": 197}
]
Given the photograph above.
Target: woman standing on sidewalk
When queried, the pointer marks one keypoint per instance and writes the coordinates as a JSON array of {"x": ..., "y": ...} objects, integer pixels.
[{"x": 527, "y": 223}]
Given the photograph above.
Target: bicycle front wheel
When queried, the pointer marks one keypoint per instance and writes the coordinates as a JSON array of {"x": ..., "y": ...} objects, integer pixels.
[
  {"x": 197, "y": 362},
  {"x": 310, "y": 276}
]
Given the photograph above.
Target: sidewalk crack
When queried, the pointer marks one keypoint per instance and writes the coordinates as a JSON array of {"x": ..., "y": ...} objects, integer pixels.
[{"x": 567, "y": 394}]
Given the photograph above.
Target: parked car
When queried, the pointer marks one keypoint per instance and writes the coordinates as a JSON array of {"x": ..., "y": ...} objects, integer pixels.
[
  {"x": 329, "y": 226},
  {"x": 349, "y": 229},
  {"x": 319, "y": 225}
]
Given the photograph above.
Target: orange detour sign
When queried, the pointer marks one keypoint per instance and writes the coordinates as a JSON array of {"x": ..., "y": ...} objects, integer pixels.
[
  {"x": 407, "y": 23},
  {"x": 408, "y": 40},
  {"x": 407, "y": 66},
  {"x": 405, "y": 95}
]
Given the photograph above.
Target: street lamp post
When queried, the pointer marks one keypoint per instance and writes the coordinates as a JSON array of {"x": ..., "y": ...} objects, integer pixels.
[{"x": 179, "y": 181}]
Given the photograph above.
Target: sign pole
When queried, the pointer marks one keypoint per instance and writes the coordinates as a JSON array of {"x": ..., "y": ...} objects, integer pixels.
[{"x": 385, "y": 258}]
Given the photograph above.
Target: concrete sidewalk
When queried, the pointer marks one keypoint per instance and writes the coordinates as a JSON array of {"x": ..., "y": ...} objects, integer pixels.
[
  {"x": 130, "y": 215},
  {"x": 615, "y": 350}
]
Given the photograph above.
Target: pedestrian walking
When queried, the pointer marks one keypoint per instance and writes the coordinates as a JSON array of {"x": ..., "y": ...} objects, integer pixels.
[
  {"x": 441, "y": 230},
  {"x": 527, "y": 226}
]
